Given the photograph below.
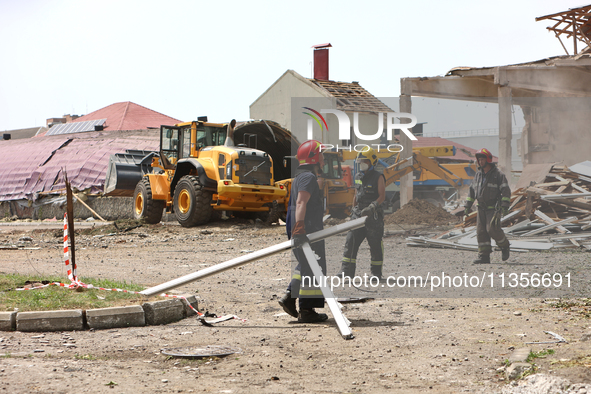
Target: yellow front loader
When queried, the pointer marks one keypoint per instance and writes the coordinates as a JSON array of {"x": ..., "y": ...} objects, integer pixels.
[{"x": 197, "y": 172}]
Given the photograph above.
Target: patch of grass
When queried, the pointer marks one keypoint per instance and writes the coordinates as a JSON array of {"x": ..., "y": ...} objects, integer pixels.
[
  {"x": 580, "y": 306},
  {"x": 541, "y": 354},
  {"x": 59, "y": 298},
  {"x": 84, "y": 357},
  {"x": 534, "y": 368},
  {"x": 582, "y": 361}
]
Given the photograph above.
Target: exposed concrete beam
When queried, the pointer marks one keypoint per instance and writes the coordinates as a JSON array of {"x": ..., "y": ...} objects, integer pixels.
[
  {"x": 565, "y": 80},
  {"x": 463, "y": 88},
  {"x": 505, "y": 132},
  {"x": 406, "y": 182}
]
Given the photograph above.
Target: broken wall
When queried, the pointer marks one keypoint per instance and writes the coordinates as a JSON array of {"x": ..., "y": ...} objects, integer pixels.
[{"x": 556, "y": 130}]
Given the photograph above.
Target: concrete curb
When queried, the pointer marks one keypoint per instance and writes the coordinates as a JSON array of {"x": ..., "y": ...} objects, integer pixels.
[
  {"x": 150, "y": 313},
  {"x": 7, "y": 321}
]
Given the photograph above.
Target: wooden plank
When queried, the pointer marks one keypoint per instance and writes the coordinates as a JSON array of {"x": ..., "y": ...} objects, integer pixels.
[
  {"x": 517, "y": 226},
  {"x": 536, "y": 190},
  {"x": 510, "y": 216},
  {"x": 550, "y": 226},
  {"x": 547, "y": 219},
  {"x": 516, "y": 201},
  {"x": 572, "y": 203},
  {"x": 89, "y": 208},
  {"x": 565, "y": 195},
  {"x": 561, "y": 189},
  {"x": 514, "y": 244},
  {"x": 579, "y": 188},
  {"x": 554, "y": 184}
]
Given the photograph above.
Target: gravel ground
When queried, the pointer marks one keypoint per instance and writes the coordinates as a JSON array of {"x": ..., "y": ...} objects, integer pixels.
[{"x": 443, "y": 343}]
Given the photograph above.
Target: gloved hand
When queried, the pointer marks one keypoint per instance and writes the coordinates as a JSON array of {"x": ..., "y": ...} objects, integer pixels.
[
  {"x": 496, "y": 219},
  {"x": 467, "y": 211},
  {"x": 299, "y": 240},
  {"x": 298, "y": 234},
  {"x": 369, "y": 209},
  {"x": 505, "y": 211}
]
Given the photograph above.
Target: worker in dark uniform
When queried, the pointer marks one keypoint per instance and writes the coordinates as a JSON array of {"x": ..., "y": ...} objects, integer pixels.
[
  {"x": 370, "y": 193},
  {"x": 304, "y": 216},
  {"x": 491, "y": 189}
]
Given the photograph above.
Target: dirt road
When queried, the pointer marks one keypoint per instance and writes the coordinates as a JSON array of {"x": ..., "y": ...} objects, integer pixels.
[{"x": 439, "y": 344}]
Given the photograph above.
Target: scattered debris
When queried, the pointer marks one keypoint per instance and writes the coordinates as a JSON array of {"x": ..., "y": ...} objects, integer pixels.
[
  {"x": 559, "y": 339},
  {"x": 199, "y": 352},
  {"x": 553, "y": 213}
]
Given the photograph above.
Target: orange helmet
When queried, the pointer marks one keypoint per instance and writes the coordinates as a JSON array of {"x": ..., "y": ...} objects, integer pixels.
[
  {"x": 309, "y": 152},
  {"x": 486, "y": 154}
]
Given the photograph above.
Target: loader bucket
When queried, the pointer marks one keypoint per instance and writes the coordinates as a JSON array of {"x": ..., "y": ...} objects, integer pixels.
[{"x": 125, "y": 170}]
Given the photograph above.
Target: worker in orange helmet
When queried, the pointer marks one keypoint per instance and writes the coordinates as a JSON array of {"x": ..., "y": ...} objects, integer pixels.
[
  {"x": 491, "y": 189},
  {"x": 304, "y": 216}
]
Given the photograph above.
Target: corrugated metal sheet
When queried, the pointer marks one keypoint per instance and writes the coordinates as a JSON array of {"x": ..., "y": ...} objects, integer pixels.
[
  {"x": 21, "y": 165},
  {"x": 35, "y": 165}
]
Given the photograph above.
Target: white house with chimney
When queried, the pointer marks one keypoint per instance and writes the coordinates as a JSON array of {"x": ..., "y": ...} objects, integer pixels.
[{"x": 291, "y": 99}]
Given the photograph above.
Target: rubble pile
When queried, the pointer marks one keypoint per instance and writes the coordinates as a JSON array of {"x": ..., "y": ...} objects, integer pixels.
[
  {"x": 420, "y": 212},
  {"x": 551, "y": 211}
]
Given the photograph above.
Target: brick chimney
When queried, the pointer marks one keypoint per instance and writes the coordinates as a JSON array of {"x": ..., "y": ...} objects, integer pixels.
[{"x": 321, "y": 61}]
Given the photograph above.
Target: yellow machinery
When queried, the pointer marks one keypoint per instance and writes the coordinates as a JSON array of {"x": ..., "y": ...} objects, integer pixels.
[
  {"x": 337, "y": 193},
  {"x": 429, "y": 177},
  {"x": 197, "y": 171}
]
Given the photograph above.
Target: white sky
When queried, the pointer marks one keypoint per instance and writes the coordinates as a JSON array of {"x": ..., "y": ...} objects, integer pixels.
[{"x": 191, "y": 58}]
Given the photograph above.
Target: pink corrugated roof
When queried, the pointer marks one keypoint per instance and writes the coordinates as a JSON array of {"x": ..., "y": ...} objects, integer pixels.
[
  {"x": 21, "y": 166},
  {"x": 34, "y": 165},
  {"x": 129, "y": 116}
]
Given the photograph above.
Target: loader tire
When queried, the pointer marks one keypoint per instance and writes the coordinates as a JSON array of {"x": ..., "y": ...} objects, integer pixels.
[
  {"x": 144, "y": 207},
  {"x": 192, "y": 204}
]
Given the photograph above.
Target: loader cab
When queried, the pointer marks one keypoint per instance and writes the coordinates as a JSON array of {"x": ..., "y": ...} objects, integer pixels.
[
  {"x": 210, "y": 135},
  {"x": 332, "y": 166},
  {"x": 175, "y": 142},
  {"x": 186, "y": 139}
]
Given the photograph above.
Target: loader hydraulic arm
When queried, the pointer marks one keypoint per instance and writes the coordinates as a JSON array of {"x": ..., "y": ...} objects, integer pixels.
[{"x": 417, "y": 162}]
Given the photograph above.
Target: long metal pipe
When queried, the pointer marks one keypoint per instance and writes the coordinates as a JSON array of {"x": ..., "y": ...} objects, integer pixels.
[{"x": 238, "y": 261}]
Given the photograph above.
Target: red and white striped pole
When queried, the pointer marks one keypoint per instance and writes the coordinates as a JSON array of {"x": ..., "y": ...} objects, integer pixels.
[{"x": 71, "y": 269}]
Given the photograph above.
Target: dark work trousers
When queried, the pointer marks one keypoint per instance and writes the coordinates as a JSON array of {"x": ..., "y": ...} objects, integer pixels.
[
  {"x": 302, "y": 280},
  {"x": 373, "y": 231},
  {"x": 485, "y": 231}
]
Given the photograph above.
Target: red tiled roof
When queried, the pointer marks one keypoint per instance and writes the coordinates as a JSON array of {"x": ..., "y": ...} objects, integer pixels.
[
  {"x": 129, "y": 116},
  {"x": 351, "y": 96}
]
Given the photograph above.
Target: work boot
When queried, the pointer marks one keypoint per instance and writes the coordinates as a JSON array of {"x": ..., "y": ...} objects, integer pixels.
[
  {"x": 311, "y": 316},
  {"x": 376, "y": 270},
  {"x": 289, "y": 304},
  {"x": 347, "y": 270},
  {"x": 505, "y": 253},
  {"x": 482, "y": 259}
]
